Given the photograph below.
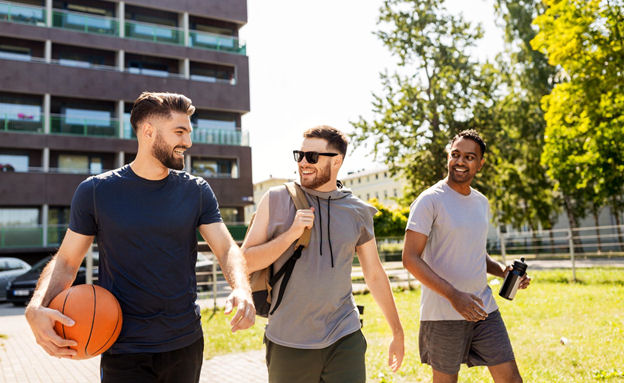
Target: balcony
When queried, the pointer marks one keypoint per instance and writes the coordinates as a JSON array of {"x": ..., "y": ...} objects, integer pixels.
[
  {"x": 21, "y": 123},
  {"x": 83, "y": 22},
  {"x": 217, "y": 42},
  {"x": 220, "y": 136},
  {"x": 90, "y": 127},
  {"x": 154, "y": 32},
  {"x": 31, "y": 236},
  {"x": 101, "y": 25},
  {"x": 22, "y": 13}
]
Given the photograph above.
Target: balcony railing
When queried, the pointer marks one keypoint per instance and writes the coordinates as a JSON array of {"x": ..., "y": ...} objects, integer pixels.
[
  {"x": 22, "y": 13},
  {"x": 26, "y": 124},
  {"x": 85, "y": 22},
  {"x": 32, "y": 236},
  {"x": 92, "y": 127},
  {"x": 198, "y": 39},
  {"x": 154, "y": 32}
]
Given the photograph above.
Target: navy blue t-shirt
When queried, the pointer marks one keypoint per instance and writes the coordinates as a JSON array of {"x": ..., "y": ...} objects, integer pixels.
[{"x": 146, "y": 234}]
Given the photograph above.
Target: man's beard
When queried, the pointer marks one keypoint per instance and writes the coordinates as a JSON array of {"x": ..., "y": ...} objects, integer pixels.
[
  {"x": 322, "y": 177},
  {"x": 165, "y": 155}
]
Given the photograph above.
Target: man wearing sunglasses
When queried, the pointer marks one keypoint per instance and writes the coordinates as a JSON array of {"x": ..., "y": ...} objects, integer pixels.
[{"x": 314, "y": 335}]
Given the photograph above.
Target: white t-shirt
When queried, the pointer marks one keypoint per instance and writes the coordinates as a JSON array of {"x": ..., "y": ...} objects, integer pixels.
[{"x": 457, "y": 227}]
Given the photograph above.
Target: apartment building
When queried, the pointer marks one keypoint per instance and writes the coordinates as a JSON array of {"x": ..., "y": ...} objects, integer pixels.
[
  {"x": 375, "y": 183},
  {"x": 69, "y": 73}
]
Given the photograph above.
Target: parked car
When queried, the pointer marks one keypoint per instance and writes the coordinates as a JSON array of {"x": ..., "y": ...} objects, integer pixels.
[
  {"x": 20, "y": 290},
  {"x": 9, "y": 269}
]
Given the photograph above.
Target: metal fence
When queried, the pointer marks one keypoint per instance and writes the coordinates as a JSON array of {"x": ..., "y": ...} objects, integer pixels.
[{"x": 585, "y": 242}]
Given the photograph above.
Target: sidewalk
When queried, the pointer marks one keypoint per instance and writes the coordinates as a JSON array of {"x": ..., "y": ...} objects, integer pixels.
[{"x": 23, "y": 361}]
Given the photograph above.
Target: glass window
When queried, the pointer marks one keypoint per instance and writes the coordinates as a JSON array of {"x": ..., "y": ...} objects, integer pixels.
[
  {"x": 206, "y": 167},
  {"x": 18, "y": 112},
  {"x": 14, "y": 53},
  {"x": 73, "y": 163},
  {"x": 19, "y": 217},
  {"x": 229, "y": 214},
  {"x": 14, "y": 162},
  {"x": 86, "y": 116}
]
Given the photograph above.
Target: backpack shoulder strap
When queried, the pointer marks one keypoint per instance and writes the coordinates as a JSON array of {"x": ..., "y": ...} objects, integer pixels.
[{"x": 301, "y": 202}]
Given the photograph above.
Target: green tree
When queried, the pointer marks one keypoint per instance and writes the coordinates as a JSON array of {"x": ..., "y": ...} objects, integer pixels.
[
  {"x": 389, "y": 222},
  {"x": 437, "y": 91},
  {"x": 584, "y": 140},
  {"x": 523, "y": 193}
]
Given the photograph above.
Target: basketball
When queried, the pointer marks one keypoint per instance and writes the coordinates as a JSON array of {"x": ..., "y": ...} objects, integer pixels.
[{"x": 97, "y": 317}]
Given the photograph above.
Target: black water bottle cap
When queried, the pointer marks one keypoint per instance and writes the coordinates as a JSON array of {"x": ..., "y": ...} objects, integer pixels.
[{"x": 520, "y": 265}]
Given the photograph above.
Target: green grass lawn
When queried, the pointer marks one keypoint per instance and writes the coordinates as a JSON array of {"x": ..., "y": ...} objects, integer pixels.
[{"x": 589, "y": 314}]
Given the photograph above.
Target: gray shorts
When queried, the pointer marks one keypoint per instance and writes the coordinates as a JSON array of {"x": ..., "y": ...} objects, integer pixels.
[{"x": 446, "y": 344}]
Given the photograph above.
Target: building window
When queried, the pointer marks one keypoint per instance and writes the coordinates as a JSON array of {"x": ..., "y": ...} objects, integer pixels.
[
  {"x": 13, "y": 162},
  {"x": 376, "y": 176},
  {"x": 394, "y": 192},
  {"x": 79, "y": 163},
  {"x": 377, "y": 195},
  {"x": 214, "y": 168},
  {"x": 385, "y": 194},
  {"x": 229, "y": 214},
  {"x": 11, "y": 217},
  {"x": 385, "y": 174},
  {"x": 367, "y": 196},
  {"x": 87, "y": 117},
  {"x": 359, "y": 180}
]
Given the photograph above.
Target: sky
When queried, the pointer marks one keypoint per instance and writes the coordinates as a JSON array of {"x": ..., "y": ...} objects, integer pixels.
[{"x": 318, "y": 63}]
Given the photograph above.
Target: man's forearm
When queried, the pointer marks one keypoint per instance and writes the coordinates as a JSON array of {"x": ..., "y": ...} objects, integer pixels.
[
  {"x": 261, "y": 256},
  {"x": 235, "y": 269},
  {"x": 494, "y": 267},
  {"x": 379, "y": 286},
  {"x": 55, "y": 277},
  {"x": 421, "y": 270}
]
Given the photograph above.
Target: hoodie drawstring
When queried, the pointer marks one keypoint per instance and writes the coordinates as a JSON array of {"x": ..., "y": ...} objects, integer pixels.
[{"x": 331, "y": 250}]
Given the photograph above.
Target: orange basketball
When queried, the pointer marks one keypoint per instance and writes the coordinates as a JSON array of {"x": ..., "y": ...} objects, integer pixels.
[{"x": 97, "y": 317}]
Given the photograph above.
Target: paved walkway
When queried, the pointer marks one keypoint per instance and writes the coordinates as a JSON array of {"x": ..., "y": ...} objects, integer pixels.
[{"x": 23, "y": 361}]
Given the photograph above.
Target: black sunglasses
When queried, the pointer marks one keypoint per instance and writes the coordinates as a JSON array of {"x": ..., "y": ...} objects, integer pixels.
[{"x": 311, "y": 157}]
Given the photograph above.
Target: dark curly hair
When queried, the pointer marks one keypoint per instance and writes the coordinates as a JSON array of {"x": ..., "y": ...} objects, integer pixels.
[{"x": 473, "y": 135}]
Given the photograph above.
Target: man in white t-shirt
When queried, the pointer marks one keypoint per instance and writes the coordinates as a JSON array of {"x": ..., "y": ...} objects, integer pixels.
[{"x": 445, "y": 248}]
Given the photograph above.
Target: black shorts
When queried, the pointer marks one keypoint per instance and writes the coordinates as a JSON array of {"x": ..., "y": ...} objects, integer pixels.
[
  {"x": 446, "y": 344},
  {"x": 177, "y": 366}
]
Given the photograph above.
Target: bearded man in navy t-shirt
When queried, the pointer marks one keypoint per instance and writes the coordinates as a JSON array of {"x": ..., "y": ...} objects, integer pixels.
[{"x": 145, "y": 216}]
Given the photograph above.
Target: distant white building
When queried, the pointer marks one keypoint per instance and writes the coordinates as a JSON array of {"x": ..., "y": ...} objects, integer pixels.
[
  {"x": 259, "y": 189},
  {"x": 375, "y": 183}
]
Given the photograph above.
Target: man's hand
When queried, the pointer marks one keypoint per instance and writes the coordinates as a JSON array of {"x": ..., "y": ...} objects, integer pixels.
[
  {"x": 41, "y": 321},
  {"x": 304, "y": 219},
  {"x": 525, "y": 280},
  {"x": 396, "y": 353},
  {"x": 245, "y": 311},
  {"x": 468, "y": 305}
]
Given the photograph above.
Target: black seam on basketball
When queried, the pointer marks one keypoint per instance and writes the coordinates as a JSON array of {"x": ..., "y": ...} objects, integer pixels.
[
  {"x": 111, "y": 336},
  {"x": 63, "y": 311},
  {"x": 92, "y": 321}
]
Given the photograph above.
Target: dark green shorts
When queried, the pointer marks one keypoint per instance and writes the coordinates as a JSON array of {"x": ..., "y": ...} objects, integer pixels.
[{"x": 342, "y": 362}]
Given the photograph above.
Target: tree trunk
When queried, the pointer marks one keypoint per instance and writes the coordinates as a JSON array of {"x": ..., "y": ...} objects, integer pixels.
[
  {"x": 573, "y": 222},
  {"x": 597, "y": 223},
  {"x": 619, "y": 229}
]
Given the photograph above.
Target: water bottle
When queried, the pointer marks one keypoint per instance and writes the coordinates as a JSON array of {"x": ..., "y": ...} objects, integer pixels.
[{"x": 512, "y": 280}]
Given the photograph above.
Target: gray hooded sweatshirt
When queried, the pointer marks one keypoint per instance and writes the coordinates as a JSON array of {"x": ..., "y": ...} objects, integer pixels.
[{"x": 318, "y": 307}]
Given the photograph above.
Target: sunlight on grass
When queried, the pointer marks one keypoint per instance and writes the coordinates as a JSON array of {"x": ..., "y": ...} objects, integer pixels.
[{"x": 589, "y": 314}]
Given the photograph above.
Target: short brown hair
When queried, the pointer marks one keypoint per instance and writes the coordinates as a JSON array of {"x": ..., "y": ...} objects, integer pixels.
[
  {"x": 334, "y": 137},
  {"x": 160, "y": 104}
]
